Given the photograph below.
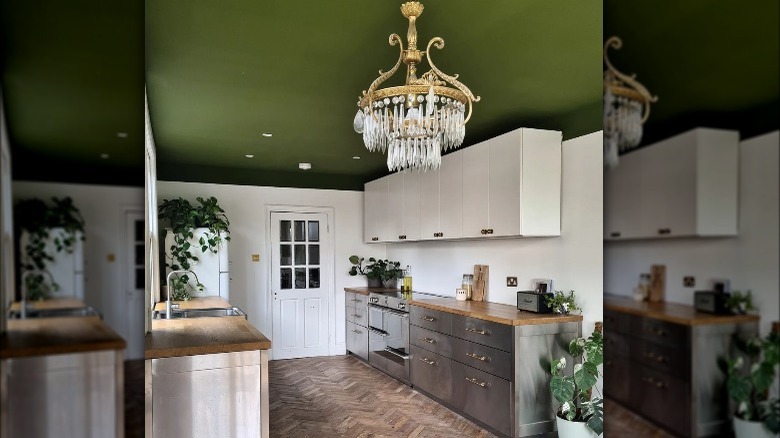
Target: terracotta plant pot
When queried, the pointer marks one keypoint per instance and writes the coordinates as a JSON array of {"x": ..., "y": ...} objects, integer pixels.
[
  {"x": 751, "y": 429},
  {"x": 573, "y": 429},
  {"x": 374, "y": 282}
]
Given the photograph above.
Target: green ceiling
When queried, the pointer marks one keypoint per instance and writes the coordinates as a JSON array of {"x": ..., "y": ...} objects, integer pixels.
[{"x": 221, "y": 73}]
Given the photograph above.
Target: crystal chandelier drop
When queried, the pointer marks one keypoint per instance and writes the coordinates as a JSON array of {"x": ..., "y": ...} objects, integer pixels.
[
  {"x": 626, "y": 108},
  {"x": 415, "y": 122}
]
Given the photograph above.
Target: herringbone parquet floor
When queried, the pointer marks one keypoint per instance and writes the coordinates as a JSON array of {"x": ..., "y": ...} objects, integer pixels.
[{"x": 340, "y": 396}]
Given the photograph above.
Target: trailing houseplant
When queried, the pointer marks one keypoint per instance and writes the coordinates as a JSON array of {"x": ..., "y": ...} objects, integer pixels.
[
  {"x": 378, "y": 271},
  {"x": 183, "y": 219},
  {"x": 574, "y": 392},
  {"x": 739, "y": 303},
  {"x": 59, "y": 221},
  {"x": 562, "y": 303},
  {"x": 750, "y": 377}
]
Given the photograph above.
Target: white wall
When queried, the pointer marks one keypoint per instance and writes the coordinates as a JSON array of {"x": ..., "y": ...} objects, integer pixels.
[
  {"x": 750, "y": 260},
  {"x": 573, "y": 260},
  {"x": 103, "y": 209},
  {"x": 246, "y": 208}
]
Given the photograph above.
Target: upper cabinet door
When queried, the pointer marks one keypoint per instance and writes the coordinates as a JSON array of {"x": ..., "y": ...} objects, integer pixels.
[
  {"x": 539, "y": 200},
  {"x": 375, "y": 209},
  {"x": 395, "y": 207},
  {"x": 504, "y": 191},
  {"x": 476, "y": 189},
  {"x": 451, "y": 184},
  {"x": 429, "y": 203},
  {"x": 411, "y": 205}
]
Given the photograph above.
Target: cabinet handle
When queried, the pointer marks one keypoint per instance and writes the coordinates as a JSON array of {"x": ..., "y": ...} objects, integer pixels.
[
  {"x": 615, "y": 234},
  {"x": 479, "y": 332},
  {"x": 375, "y": 239},
  {"x": 474, "y": 356},
  {"x": 657, "y": 383},
  {"x": 490, "y": 231},
  {"x": 402, "y": 237},
  {"x": 428, "y": 318},
  {"x": 652, "y": 356},
  {"x": 476, "y": 382},
  {"x": 428, "y": 361},
  {"x": 356, "y": 315},
  {"x": 428, "y": 340},
  {"x": 355, "y": 300},
  {"x": 439, "y": 234},
  {"x": 659, "y": 332},
  {"x": 357, "y": 331}
]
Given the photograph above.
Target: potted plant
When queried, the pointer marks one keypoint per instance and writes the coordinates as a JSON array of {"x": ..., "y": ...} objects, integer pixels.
[
  {"x": 562, "y": 303},
  {"x": 39, "y": 224},
  {"x": 739, "y": 303},
  {"x": 580, "y": 413},
  {"x": 196, "y": 230},
  {"x": 380, "y": 273},
  {"x": 749, "y": 378}
]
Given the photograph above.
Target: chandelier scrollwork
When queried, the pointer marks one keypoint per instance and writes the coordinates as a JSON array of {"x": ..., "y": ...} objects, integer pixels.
[
  {"x": 626, "y": 108},
  {"x": 416, "y": 121}
]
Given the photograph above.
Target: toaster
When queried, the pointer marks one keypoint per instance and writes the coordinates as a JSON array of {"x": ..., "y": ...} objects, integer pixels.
[
  {"x": 532, "y": 301},
  {"x": 711, "y": 302}
]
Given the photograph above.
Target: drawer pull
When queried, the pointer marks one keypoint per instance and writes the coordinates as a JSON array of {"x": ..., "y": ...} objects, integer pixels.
[
  {"x": 616, "y": 234},
  {"x": 428, "y": 361},
  {"x": 659, "y": 332},
  {"x": 355, "y": 300},
  {"x": 474, "y": 356},
  {"x": 476, "y": 382},
  {"x": 428, "y": 340},
  {"x": 479, "y": 332},
  {"x": 657, "y": 383},
  {"x": 357, "y": 331},
  {"x": 652, "y": 356},
  {"x": 357, "y": 316},
  {"x": 428, "y": 318}
]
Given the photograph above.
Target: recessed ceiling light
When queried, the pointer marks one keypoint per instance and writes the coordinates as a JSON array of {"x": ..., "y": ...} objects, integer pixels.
[
  {"x": 355, "y": 157},
  {"x": 121, "y": 134},
  {"x": 267, "y": 134},
  {"x": 304, "y": 166},
  {"x": 249, "y": 156},
  {"x": 104, "y": 156}
]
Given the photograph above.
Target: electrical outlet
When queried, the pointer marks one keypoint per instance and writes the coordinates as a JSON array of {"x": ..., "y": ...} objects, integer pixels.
[
  {"x": 689, "y": 281},
  {"x": 511, "y": 282}
]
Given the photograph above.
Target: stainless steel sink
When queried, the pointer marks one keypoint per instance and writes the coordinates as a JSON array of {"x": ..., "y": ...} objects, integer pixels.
[
  {"x": 200, "y": 313},
  {"x": 56, "y": 313}
]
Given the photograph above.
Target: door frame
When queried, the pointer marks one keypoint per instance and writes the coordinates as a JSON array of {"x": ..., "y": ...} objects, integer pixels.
[{"x": 330, "y": 214}]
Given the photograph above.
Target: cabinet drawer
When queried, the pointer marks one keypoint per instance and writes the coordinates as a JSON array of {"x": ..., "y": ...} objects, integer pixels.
[
  {"x": 357, "y": 340},
  {"x": 662, "y": 358},
  {"x": 356, "y": 300},
  {"x": 661, "y": 332},
  {"x": 617, "y": 346},
  {"x": 432, "y": 373},
  {"x": 482, "y": 332},
  {"x": 616, "y": 322},
  {"x": 490, "y": 360},
  {"x": 431, "y": 319},
  {"x": 662, "y": 398},
  {"x": 358, "y": 315},
  {"x": 482, "y": 396},
  {"x": 432, "y": 341}
]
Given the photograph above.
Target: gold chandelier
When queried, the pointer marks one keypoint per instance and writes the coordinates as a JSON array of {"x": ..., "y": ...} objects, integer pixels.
[
  {"x": 626, "y": 108},
  {"x": 416, "y": 121}
]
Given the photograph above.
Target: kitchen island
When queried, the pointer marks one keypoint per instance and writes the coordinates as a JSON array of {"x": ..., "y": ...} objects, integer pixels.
[
  {"x": 206, "y": 376},
  {"x": 487, "y": 361},
  {"x": 55, "y": 372},
  {"x": 661, "y": 361}
]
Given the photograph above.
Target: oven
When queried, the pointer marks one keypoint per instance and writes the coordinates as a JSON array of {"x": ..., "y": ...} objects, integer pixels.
[{"x": 388, "y": 338}]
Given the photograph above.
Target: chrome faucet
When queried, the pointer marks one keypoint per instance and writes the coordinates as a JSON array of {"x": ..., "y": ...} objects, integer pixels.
[{"x": 170, "y": 292}]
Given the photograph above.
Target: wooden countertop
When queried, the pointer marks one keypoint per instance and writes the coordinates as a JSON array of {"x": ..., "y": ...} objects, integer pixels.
[
  {"x": 368, "y": 290},
  {"x": 49, "y": 304},
  {"x": 43, "y": 336},
  {"x": 196, "y": 336},
  {"x": 671, "y": 312},
  {"x": 495, "y": 312}
]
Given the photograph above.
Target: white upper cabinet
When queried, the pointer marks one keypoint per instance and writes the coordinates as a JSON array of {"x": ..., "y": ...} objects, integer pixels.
[
  {"x": 512, "y": 185},
  {"x": 683, "y": 186},
  {"x": 509, "y": 185},
  {"x": 375, "y": 199}
]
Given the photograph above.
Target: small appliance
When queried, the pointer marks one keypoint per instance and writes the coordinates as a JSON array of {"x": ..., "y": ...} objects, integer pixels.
[{"x": 711, "y": 302}]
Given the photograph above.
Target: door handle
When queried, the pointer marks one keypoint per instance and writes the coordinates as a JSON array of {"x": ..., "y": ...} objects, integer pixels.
[{"x": 476, "y": 382}]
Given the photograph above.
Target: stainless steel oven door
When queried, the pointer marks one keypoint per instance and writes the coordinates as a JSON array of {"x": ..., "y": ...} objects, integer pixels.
[
  {"x": 376, "y": 317},
  {"x": 396, "y": 325}
]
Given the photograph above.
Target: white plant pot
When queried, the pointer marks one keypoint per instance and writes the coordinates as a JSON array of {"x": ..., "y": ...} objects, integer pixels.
[
  {"x": 751, "y": 429},
  {"x": 573, "y": 429}
]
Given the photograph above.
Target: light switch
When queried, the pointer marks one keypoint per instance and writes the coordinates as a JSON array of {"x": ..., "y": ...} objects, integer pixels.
[{"x": 255, "y": 257}]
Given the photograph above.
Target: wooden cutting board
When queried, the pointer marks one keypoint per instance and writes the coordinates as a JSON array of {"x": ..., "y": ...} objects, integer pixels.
[
  {"x": 480, "y": 286},
  {"x": 657, "y": 283}
]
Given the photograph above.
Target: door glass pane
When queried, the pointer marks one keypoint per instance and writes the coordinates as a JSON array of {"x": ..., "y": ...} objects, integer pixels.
[
  {"x": 139, "y": 278},
  {"x": 139, "y": 254},
  {"x": 314, "y": 231},
  {"x": 314, "y": 278},
  {"x": 300, "y": 231},
  {"x": 139, "y": 231},
  {"x": 300, "y": 278},
  {"x": 300, "y": 254},
  {"x": 286, "y": 278},
  {"x": 285, "y": 255},
  {"x": 314, "y": 254},
  {"x": 284, "y": 231}
]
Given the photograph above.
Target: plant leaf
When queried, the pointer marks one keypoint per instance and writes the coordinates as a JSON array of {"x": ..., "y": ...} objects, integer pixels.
[
  {"x": 585, "y": 375},
  {"x": 562, "y": 388}
]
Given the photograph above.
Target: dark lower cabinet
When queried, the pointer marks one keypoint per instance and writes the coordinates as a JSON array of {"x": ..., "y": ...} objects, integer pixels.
[
  {"x": 432, "y": 373},
  {"x": 482, "y": 396},
  {"x": 663, "y": 398}
]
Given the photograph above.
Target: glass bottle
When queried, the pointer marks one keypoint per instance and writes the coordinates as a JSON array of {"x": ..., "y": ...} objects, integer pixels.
[
  {"x": 407, "y": 283},
  {"x": 468, "y": 280}
]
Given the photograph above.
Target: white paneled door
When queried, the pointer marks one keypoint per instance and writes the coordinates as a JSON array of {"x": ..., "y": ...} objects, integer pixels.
[
  {"x": 134, "y": 275},
  {"x": 300, "y": 282}
]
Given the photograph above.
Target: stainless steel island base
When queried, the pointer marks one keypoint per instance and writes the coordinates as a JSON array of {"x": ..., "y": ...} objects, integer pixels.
[{"x": 224, "y": 394}]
